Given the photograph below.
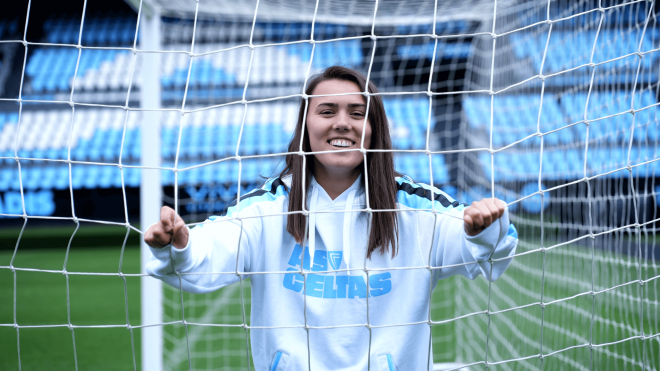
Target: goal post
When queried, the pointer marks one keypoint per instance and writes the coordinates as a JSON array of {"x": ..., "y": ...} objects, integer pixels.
[{"x": 151, "y": 194}]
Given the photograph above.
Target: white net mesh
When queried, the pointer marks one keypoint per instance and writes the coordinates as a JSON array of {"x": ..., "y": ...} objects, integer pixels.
[{"x": 548, "y": 105}]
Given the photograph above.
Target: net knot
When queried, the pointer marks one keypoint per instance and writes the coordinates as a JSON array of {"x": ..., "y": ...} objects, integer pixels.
[
  {"x": 301, "y": 153},
  {"x": 541, "y": 77},
  {"x": 640, "y": 54},
  {"x": 542, "y": 304},
  {"x": 134, "y": 51},
  {"x": 373, "y": 38},
  {"x": 304, "y": 96},
  {"x": 312, "y": 41},
  {"x": 251, "y": 46},
  {"x": 601, "y": 9},
  {"x": 592, "y": 64},
  {"x": 641, "y": 282},
  {"x": 243, "y": 101},
  {"x": 638, "y": 226},
  {"x": 629, "y": 167},
  {"x": 493, "y": 35},
  {"x": 78, "y": 46},
  {"x": 71, "y": 104},
  {"x": 429, "y": 93},
  {"x": 120, "y": 166}
]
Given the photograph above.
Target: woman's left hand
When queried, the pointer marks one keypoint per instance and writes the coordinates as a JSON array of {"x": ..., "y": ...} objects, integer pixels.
[{"x": 481, "y": 214}]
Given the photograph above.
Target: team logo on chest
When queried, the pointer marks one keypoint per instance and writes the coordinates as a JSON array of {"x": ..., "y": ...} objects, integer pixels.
[{"x": 334, "y": 257}]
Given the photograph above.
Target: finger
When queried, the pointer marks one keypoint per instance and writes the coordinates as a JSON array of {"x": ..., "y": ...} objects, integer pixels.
[
  {"x": 469, "y": 224},
  {"x": 149, "y": 238},
  {"x": 155, "y": 237},
  {"x": 180, "y": 235},
  {"x": 485, "y": 213},
  {"x": 492, "y": 208},
  {"x": 477, "y": 219},
  {"x": 162, "y": 238},
  {"x": 167, "y": 219}
]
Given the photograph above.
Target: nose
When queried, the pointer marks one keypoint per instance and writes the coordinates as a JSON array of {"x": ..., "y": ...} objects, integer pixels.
[{"x": 341, "y": 123}]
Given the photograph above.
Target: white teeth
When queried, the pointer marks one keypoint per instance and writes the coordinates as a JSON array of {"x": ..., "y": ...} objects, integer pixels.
[{"x": 341, "y": 143}]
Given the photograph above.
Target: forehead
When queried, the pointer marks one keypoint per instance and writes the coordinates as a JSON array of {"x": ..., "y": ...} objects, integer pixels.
[{"x": 337, "y": 87}]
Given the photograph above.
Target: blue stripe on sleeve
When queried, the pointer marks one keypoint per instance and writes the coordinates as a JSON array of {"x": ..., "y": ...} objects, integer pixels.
[
  {"x": 418, "y": 196},
  {"x": 270, "y": 191}
]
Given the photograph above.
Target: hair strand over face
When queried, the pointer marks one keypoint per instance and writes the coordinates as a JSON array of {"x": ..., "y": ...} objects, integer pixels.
[{"x": 380, "y": 167}]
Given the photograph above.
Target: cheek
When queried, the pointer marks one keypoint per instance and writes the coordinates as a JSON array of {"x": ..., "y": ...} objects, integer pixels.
[
  {"x": 367, "y": 136},
  {"x": 314, "y": 133}
]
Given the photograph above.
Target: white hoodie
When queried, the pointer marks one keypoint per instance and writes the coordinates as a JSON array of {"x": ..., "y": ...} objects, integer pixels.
[{"x": 335, "y": 302}]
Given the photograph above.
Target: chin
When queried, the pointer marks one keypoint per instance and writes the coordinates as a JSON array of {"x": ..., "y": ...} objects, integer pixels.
[{"x": 342, "y": 164}]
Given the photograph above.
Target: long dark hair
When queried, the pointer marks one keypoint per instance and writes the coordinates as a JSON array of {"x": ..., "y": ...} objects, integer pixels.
[{"x": 380, "y": 165}]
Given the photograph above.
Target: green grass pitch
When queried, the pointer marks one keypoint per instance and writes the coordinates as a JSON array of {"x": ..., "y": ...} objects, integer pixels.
[{"x": 620, "y": 313}]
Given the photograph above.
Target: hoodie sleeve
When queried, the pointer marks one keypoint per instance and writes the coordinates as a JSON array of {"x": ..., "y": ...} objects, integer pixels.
[
  {"x": 217, "y": 250},
  {"x": 455, "y": 248}
]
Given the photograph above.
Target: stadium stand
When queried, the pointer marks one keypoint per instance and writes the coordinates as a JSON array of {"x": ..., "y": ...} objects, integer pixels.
[
  {"x": 97, "y": 137},
  {"x": 97, "y": 133}
]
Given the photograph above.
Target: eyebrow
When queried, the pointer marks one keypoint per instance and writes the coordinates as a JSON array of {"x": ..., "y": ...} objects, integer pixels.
[{"x": 350, "y": 105}]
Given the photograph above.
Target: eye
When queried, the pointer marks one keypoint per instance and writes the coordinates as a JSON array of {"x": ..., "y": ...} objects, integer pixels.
[
  {"x": 326, "y": 112},
  {"x": 357, "y": 113}
]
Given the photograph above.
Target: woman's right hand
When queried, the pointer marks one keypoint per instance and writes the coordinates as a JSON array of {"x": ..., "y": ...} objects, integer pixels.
[{"x": 170, "y": 230}]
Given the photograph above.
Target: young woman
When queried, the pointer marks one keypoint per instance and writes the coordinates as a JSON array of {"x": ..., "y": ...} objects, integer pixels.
[{"x": 390, "y": 256}]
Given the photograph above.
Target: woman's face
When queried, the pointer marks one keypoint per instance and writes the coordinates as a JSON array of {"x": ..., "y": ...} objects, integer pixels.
[{"x": 336, "y": 123}]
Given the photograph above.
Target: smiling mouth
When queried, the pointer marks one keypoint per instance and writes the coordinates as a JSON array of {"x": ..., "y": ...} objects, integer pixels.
[{"x": 341, "y": 143}]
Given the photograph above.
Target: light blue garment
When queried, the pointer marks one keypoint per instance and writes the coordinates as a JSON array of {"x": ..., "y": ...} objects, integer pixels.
[{"x": 334, "y": 296}]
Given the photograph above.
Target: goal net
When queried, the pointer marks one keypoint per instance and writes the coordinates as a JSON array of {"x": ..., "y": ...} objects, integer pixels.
[{"x": 551, "y": 106}]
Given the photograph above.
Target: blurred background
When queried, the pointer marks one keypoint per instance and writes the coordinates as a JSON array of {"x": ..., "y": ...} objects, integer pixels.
[{"x": 547, "y": 135}]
